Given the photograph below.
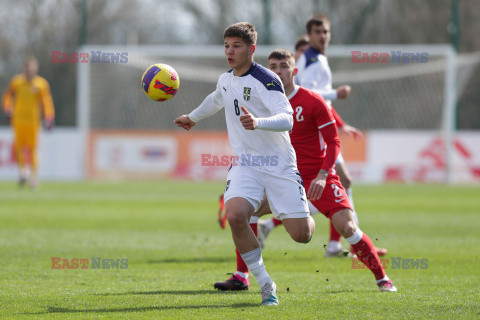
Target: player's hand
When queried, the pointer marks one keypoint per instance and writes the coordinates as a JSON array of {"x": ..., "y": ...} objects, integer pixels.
[
  {"x": 248, "y": 121},
  {"x": 343, "y": 92},
  {"x": 316, "y": 187},
  {"x": 184, "y": 122},
  {"x": 352, "y": 132},
  {"x": 48, "y": 124}
]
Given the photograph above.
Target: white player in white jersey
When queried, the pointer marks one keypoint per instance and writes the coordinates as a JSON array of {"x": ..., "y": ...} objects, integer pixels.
[
  {"x": 314, "y": 73},
  {"x": 258, "y": 117}
]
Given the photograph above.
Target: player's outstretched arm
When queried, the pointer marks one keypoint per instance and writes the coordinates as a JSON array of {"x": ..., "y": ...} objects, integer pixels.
[
  {"x": 352, "y": 132},
  {"x": 184, "y": 122},
  {"x": 343, "y": 92}
]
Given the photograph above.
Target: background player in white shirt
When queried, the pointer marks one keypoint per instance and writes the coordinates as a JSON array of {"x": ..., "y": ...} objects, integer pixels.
[{"x": 258, "y": 117}]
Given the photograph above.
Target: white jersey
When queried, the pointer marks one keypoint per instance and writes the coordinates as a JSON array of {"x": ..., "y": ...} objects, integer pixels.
[
  {"x": 261, "y": 92},
  {"x": 314, "y": 73}
]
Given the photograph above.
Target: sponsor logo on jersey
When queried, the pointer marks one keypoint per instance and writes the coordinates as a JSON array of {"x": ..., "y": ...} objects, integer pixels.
[{"x": 246, "y": 93}]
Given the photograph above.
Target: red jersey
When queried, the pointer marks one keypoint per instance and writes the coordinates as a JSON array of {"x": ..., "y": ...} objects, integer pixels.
[{"x": 313, "y": 130}]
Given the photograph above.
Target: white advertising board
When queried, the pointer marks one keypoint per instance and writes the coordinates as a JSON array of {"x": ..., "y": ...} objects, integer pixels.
[
  {"x": 123, "y": 154},
  {"x": 61, "y": 155}
]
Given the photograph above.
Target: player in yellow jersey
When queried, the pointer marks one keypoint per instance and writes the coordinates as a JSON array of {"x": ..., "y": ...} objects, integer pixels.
[{"x": 25, "y": 102}]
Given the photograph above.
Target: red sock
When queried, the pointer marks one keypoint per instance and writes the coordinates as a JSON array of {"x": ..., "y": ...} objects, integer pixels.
[
  {"x": 366, "y": 253},
  {"x": 276, "y": 222},
  {"x": 241, "y": 266},
  {"x": 334, "y": 235}
]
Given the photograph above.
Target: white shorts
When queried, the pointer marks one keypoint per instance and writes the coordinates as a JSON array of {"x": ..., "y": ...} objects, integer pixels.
[
  {"x": 285, "y": 192},
  {"x": 312, "y": 208}
]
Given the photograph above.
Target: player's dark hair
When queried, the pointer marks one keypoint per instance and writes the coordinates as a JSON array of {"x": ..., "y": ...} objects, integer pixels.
[
  {"x": 280, "y": 54},
  {"x": 301, "y": 41},
  {"x": 317, "y": 20},
  {"x": 244, "y": 30}
]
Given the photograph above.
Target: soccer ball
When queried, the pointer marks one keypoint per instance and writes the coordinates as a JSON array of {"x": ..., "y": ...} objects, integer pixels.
[{"x": 160, "y": 82}]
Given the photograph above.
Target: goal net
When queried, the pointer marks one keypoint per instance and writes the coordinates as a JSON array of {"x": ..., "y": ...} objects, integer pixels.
[{"x": 405, "y": 105}]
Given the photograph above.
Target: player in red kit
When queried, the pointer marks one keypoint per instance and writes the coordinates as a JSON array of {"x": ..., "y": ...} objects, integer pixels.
[{"x": 315, "y": 140}]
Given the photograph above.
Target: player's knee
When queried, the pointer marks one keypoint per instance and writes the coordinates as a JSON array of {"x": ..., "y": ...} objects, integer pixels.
[
  {"x": 302, "y": 235},
  {"x": 235, "y": 217},
  {"x": 347, "y": 229}
]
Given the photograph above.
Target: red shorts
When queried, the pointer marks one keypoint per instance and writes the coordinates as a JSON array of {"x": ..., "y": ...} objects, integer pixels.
[{"x": 334, "y": 197}]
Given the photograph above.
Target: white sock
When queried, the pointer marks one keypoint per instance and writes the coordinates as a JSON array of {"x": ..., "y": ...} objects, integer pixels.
[
  {"x": 241, "y": 274},
  {"x": 253, "y": 220},
  {"x": 384, "y": 279},
  {"x": 254, "y": 261},
  {"x": 334, "y": 246},
  {"x": 350, "y": 199},
  {"x": 356, "y": 237},
  {"x": 268, "y": 224}
]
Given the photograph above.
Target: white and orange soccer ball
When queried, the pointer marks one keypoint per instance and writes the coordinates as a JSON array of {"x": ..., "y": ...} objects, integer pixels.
[{"x": 160, "y": 82}]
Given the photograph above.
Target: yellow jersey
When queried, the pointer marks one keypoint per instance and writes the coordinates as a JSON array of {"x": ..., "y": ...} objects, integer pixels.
[{"x": 27, "y": 101}]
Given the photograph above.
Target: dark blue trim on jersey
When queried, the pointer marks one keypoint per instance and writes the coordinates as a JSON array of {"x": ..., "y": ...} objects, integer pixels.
[
  {"x": 250, "y": 70},
  {"x": 229, "y": 70},
  {"x": 311, "y": 56},
  {"x": 265, "y": 76}
]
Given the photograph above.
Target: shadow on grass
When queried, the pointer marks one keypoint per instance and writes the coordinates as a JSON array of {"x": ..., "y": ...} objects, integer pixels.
[
  {"x": 222, "y": 259},
  {"x": 140, "y": 309},
  {"x": 175, "y": 292},
  {"x": 184, "y": 260},
  {"x": 338, "y": 291}
]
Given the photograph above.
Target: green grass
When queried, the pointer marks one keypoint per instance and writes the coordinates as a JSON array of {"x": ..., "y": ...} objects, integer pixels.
[{"x": 176, "y": 251}]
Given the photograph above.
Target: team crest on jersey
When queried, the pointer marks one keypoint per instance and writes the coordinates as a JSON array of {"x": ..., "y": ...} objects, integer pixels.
[{"x": 246, "y": 93}]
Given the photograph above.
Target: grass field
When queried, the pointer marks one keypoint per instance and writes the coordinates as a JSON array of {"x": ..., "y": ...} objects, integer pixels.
[{"x": 176, "y": 251}]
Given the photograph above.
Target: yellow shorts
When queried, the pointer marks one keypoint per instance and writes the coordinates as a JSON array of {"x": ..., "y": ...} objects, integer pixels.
[{"x": 26, "y": 135}]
